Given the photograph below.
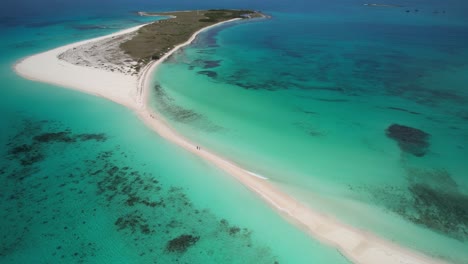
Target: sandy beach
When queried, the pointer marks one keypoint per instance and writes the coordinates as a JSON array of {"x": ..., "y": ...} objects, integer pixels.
[{"x": 132, "y": 91}]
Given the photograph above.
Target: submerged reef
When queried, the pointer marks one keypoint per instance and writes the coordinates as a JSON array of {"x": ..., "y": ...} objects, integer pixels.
[
  {"x": 205, "y": 64},
  {"x": 402, "y": 110},
  {"x": 58, "y": 185},
  {"x": 432, "y": 199},
  {"x": 426, "y": 96},
  {"x": 211, "y": 74},
  {"x": 438, "y": 202},
  {"x": 181, "y": 243},
  {"x": 172, "y": 110},
  {"x": 175, "y": 112},
  {"x": 410, "y": 140}
]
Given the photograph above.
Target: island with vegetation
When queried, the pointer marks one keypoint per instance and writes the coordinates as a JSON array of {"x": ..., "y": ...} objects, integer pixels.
[
  {"x": 156, "y": 39},
  {"x": 130, "y": 52}
]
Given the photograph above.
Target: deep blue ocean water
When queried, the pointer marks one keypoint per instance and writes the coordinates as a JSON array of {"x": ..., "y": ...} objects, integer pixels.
[{"x": 303, "y": 98}]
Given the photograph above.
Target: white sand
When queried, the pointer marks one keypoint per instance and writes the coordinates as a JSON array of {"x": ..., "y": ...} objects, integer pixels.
[
  {"x": 46, "y": 67},
  {"x": 357, "y": 245}
]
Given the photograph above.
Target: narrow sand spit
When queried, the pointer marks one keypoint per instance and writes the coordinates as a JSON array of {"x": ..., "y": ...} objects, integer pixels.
[{"x": 133, "y": 92}]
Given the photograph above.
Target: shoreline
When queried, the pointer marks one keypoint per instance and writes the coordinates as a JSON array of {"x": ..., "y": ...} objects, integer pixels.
[
  {"x": 144, "y": 81},
  {"x": 112, "y": 86},
  {"x": 356, "y": 245}
]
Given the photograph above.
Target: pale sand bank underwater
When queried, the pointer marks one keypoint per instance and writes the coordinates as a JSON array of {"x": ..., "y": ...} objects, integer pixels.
[{"x": 132, "y": 91}]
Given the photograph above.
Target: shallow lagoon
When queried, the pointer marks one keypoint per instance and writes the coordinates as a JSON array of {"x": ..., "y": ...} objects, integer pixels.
[{"x": 307, "y": 100}]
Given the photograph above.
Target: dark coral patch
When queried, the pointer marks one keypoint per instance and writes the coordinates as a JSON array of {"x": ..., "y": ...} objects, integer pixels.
[
  {"x": 234, "y": 230},
  {"x": 100, "y": 137},
  {"x": 433, "y": 200},
  {"x": 55, "y": 137},
  {"x": 68, "y": 137},
  {"x": 21, "y": 149},
  {"x": 181, "y": 243},
  {"x": 208, "y": 64},
  {"x": 211, "y": 74},
  {"x": 443, "y": 211},
  {"x": 31, "y": 159},
  {"x": 182, "y": 114},
  {"x": 410, "y": 140},
  {"x": 205, "y": 64},
  {"x": 143, "y": 209},
  {"x": 176, "y": 112},
  {"x": 134, "y": 222},
  {"x": 403, "y": 110}
]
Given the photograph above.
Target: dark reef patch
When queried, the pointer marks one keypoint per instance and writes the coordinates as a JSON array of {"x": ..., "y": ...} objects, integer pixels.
[
  {"x": 205, "y": 64},
  {"x": 99, "y": 137},
  {"x": 402, "y": 110},
  {"x": 209, "y": 64},
  {"x": 433, "y": 200},
  {"x": 180, "y": 114},
  {"x": 234, "y": 230},
  {"x": 425, "y": 96},
  {"x": 206, "y": 51},
  {"x": 34, "y": 195},
  {"x": 20, "y": 149},
  {"x": 211, "y": 74},
  {"x": 85, "y": 184},
  {"x": 54, "y": 136},
  {"x": 447, "y": 95},
  {"x": 410, "y": 140},
  {"x": 181, "y": 243},
  {"x": 244, "y": 79},
  {"x": 68, "y": 137},
  {"x": 444, "y": 211},
  {"x": 30, "y": 153},
  {"x": 175, "y": 112},
  {"x": 309, "y": 112},
  {"x": 134, "y": 223}
]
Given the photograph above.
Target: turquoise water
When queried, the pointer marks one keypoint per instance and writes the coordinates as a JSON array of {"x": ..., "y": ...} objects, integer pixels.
[
  {"x": 306, "y": 98},
  {"x": 84, "y": 181}
]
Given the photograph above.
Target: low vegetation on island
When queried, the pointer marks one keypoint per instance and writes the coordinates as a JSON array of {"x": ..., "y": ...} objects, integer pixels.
[{"x": 152, "y": 41}]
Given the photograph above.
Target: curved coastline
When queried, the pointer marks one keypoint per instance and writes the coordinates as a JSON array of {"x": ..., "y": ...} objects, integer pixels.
[
  {"x": 46, "y": 67},
  {"x": 357, "y": 245}
]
